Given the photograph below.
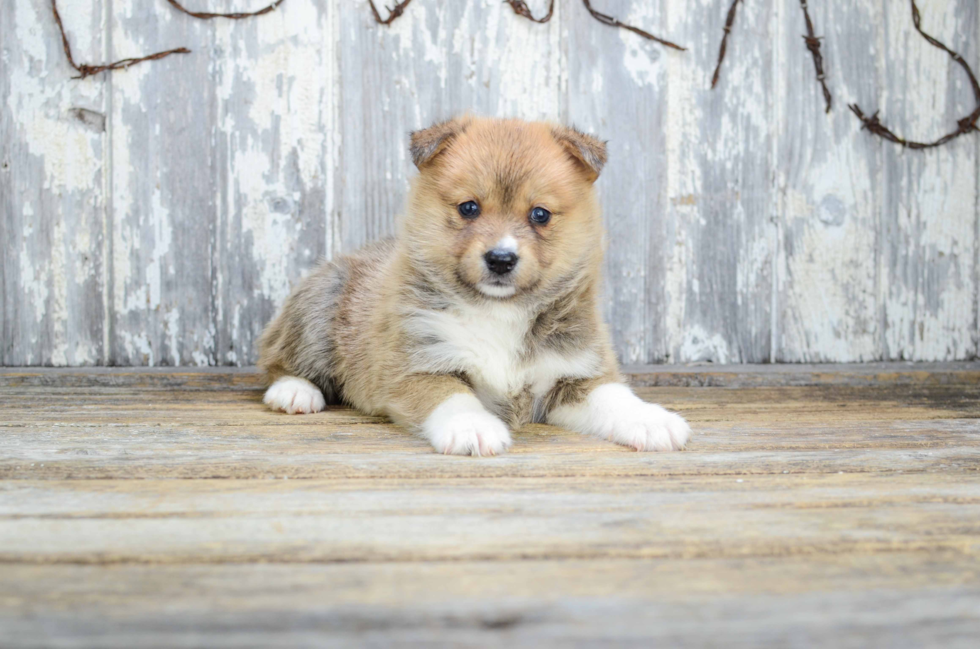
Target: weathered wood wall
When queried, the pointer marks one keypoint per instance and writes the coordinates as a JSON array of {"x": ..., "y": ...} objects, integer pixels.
[{"x": 159, "y": 215}]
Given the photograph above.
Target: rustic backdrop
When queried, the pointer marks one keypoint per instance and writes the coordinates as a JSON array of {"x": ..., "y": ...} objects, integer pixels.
[{"x": 159, "y": 215}]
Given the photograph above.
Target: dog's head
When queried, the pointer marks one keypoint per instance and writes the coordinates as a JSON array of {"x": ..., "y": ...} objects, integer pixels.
[{"x": 504, "y": 208}]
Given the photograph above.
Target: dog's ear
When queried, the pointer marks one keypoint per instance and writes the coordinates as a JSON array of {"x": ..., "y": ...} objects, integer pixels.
[
  {"x": 585, "y": 149},
  {"x": 430, "y": 142}
]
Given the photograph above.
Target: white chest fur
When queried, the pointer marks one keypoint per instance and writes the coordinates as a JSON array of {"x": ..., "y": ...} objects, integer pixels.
[{"x": 489, "y": 344}]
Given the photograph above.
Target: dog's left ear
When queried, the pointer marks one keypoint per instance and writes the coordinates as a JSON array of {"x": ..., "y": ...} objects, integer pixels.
[
  {"x": 430, "y": 142},
  {"x": 585, "y": 149}
]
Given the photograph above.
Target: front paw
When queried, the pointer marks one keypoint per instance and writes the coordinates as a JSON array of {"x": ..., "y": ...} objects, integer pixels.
[
  {"x": 461, "y": 426},
  {"x": 648, "y": 427},
  {"x": 294, "y": 395},
  {"x": 613, "y": 412}
]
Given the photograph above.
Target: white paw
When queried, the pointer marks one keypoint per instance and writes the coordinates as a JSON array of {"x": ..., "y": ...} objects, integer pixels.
[
  {"x": 460, "y": 425},
  {"x": 613, "y": 412},
  {"x": 294, "y": 395}
]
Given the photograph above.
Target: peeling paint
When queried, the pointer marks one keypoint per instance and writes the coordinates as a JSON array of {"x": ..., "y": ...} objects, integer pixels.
[{"x": 744, "y": 223}]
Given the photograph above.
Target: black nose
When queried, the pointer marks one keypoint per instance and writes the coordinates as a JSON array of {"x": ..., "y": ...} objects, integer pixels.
[{"x": 500, "y": 262}]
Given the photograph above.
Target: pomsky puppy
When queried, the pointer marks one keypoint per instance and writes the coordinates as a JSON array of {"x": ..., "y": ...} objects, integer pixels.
[{"x": 482, "y": 314}]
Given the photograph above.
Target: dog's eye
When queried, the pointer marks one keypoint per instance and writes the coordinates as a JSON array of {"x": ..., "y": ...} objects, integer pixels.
[
  {"x": 469, "y": 209},
  {"x": 540, "y": 215}
]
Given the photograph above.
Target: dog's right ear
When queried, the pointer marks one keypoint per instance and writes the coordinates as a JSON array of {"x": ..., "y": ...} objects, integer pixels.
[{"x": 430, "y": 142}]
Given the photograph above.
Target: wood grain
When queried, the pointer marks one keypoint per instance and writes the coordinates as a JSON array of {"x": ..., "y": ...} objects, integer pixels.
[
  {"x": 898, "y": 599},
  {"x": 719, "y": 235},
  {"x": 617, "y": 88},
  {"x": 696, "y": 375},
  {"x": 164, "y": 188},
  {"x": 53, "y": 166},
  {"x": 276, "y": 100},
  {"x": 829, "y": 178},
  {"x": 925, "y": 256},
  {"x": 159, "y": 215},
  {"x": 174, "y": 509}
]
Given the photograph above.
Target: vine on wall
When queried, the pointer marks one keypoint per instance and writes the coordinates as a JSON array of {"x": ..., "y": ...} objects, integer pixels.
[{"x": 871, "y": 123}]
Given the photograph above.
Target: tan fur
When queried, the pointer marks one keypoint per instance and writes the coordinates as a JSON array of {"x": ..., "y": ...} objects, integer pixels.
[{"x": 355, "y": 326}]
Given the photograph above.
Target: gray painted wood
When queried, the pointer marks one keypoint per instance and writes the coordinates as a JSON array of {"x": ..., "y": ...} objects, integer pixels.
[
  {"x": 829, "y": 187},
  {"x": 166, "y": 222},
  {"x": 275, "y": 100},
  {"x": 930, "y": 205},
  {"x": 617, "y": 88},
  {"x": 164, "y": 190},
  {"x": 851, "y": 602},
  {"x": 894, "y": 375},
  {"x": 719, "y": 280},
  {"x": 52, "y": 201}
]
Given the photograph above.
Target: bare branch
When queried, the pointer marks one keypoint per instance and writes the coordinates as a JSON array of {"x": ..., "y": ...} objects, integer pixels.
[
  {"x": 86, "y": 70},
  {"x": 233, "y": 16},
  {"x": 521, "y": 9},
  {"x": 614, "y": 22},
  {"x": 729, "y": 22},
  {"x": 813, "y": 44},
  {"x": 964, "y": 125},
  {"x": 393, "y": 12}
]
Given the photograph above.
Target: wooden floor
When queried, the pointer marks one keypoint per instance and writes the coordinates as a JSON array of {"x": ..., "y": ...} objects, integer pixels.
[{"x": 815, "y": 506}]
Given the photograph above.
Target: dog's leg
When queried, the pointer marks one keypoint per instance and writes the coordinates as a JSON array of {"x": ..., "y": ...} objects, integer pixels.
[
  {"x": 294, "y": 395},
  {"x": 445, "y": 411},
  {"x": 611, "y": 411}
]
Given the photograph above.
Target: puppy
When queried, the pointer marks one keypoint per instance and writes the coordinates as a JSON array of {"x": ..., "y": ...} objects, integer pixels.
[{"x": 482, "y": 314}]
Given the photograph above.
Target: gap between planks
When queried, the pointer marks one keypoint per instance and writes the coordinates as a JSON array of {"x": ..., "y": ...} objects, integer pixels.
[{"x": 700, "y": 375}]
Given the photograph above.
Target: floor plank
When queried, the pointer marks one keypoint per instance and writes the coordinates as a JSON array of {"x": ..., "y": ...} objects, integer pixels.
[
  {"x": 691, "y": 375},
  {"x": 296, "y": 521},
  {"x": 894, "y": 600},
  {"x": 171, "y": 509}
]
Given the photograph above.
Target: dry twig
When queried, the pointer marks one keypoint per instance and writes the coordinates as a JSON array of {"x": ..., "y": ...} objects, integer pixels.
[
  {"x": 613, "y": 22},
  {"x": 86, "y": 70},
  {"x": 234, "y": 16},
  {"x": 729, "y": 22},
  {"x": 965, "y": 125},
  {"x": 393, "y": 12},
  {"x": 813, "y": 44},
  {"x": 521, "y": 9}
]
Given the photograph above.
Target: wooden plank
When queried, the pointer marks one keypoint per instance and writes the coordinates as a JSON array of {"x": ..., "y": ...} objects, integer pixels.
[
  {"x": 119, "y": 433},
  {"x": 828, "y": 405},
  {"x": 163, "y": 191},
  {"x": 863, "y": 374},
  {"x": 704, "y": 375},
  {"x": 896, "y": 600},
  {"x": 718, "y": 281},
  {"x": 392, "y": 453},
  {"x": 838, "y": 513},
  {"x": 829, "y": 178},
  {"x": 222, "y": 521},
  {"x": 930, "y": 202},
  {"x": 267, "y": 156},
  {"x": 135, "y": 587},
  {"x": 52, "y": 201},
  {"x": 274, "y": 82},
  {"x": 617, "y": 89},
  {"x": 438, "y": 60},
  {"x": 165, "y": 378}
]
